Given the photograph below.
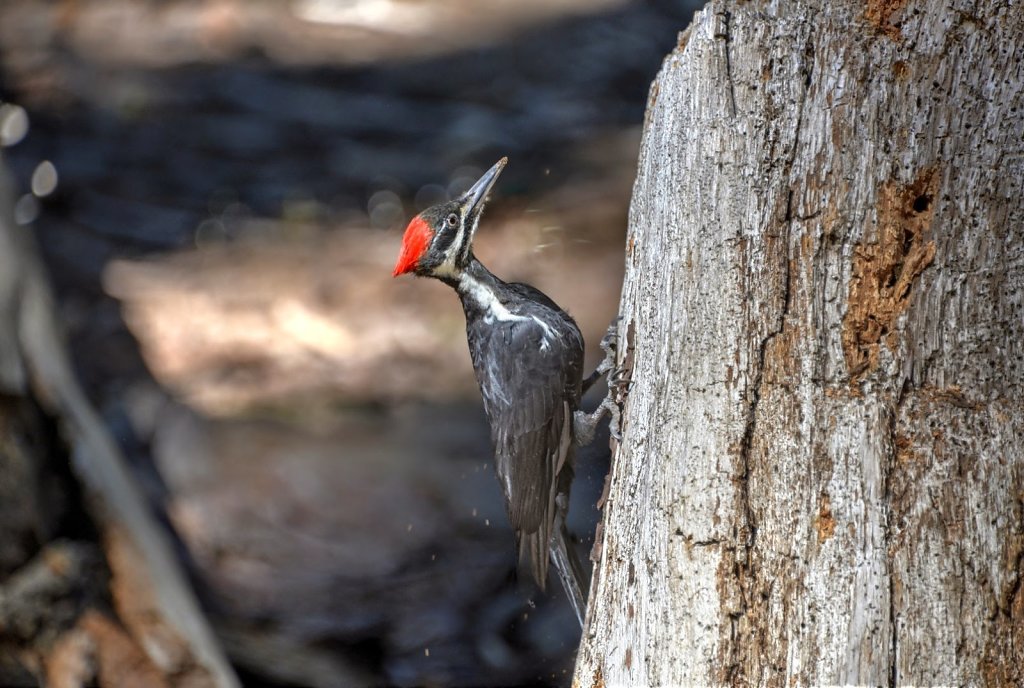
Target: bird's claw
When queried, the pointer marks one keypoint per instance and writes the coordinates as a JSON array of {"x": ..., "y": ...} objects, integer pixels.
[
  {"x": 615, "y": 423},
  {"x": 610, "y": 346},
  {"x": 619, "y": 384},
  {"x": 611, "y": 335}
]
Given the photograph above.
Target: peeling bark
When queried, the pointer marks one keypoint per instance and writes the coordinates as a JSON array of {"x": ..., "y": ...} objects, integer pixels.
[{"x": 821, "y": 478}]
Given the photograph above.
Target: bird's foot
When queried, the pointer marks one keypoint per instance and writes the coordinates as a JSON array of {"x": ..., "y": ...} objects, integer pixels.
[
  {"x": 585, "y": 424},
  {"x": 619, "y": 384},
  {"x": 610, "y": 342},
  {"x": 609, "y": 345}
]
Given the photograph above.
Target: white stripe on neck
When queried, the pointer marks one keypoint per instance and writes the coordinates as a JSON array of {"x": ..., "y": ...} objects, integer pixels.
[
  {"x": 494, "y": 309},
  {"x": 486, "y": 299}
]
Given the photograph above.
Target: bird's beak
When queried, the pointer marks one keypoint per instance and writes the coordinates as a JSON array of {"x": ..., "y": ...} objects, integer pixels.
[{"x": 477, "y": 194}]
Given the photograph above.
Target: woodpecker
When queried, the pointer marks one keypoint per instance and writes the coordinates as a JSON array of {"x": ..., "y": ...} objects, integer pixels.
[{"x": 528, "y": 357}]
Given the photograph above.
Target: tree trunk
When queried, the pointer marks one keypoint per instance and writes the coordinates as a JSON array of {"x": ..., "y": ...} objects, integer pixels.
[{"x": 821, "y": 478}]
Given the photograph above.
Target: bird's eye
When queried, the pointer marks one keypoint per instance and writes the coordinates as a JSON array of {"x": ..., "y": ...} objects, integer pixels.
[{"x": 452, "y": 220}]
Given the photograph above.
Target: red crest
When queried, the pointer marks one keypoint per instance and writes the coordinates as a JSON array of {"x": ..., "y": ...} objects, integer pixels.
[{"x": 414, "y": 244}]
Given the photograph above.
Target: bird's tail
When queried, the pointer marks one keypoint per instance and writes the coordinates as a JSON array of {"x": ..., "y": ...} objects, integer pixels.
[{"x": 570, "y": 570}]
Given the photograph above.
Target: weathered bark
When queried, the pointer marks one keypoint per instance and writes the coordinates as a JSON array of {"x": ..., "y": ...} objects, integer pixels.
[{"x": 821, "y": 474}]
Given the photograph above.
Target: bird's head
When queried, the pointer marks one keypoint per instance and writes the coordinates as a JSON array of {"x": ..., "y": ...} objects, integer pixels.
[{"x": 439, "y": 241}]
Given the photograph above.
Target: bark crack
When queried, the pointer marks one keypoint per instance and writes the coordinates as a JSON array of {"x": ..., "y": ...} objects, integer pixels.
[
  {"x": 747, "y": 535},
  {"x": 1006, "y": 603},
  {"x": 722, "y": 32},
  {"x": 889, "y": 518},
  {"x": 742, "y": 569}
]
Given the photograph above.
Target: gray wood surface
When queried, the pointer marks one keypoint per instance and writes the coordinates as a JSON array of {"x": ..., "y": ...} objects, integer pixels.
[{"x": 822, "y": 471}]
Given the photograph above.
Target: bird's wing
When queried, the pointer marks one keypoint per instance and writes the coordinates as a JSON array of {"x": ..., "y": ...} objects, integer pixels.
[{"x": 528, "y": 382}]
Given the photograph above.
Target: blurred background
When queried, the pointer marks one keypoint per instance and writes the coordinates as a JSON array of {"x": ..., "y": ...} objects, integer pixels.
[{"x": 219, "y": 188}]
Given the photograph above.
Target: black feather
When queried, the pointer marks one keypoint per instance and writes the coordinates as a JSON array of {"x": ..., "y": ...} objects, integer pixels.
[{"x": 528, "y": 357}]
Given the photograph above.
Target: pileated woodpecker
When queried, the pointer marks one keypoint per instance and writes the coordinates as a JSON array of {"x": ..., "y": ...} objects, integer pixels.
[{"x": 528, "y": 357}]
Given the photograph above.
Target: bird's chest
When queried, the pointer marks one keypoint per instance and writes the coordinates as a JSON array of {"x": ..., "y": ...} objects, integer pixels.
[{"x": 508, "y": 356}]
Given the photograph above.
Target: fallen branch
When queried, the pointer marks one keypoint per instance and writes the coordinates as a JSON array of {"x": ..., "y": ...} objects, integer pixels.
[{"x": 34, "y": 361}]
